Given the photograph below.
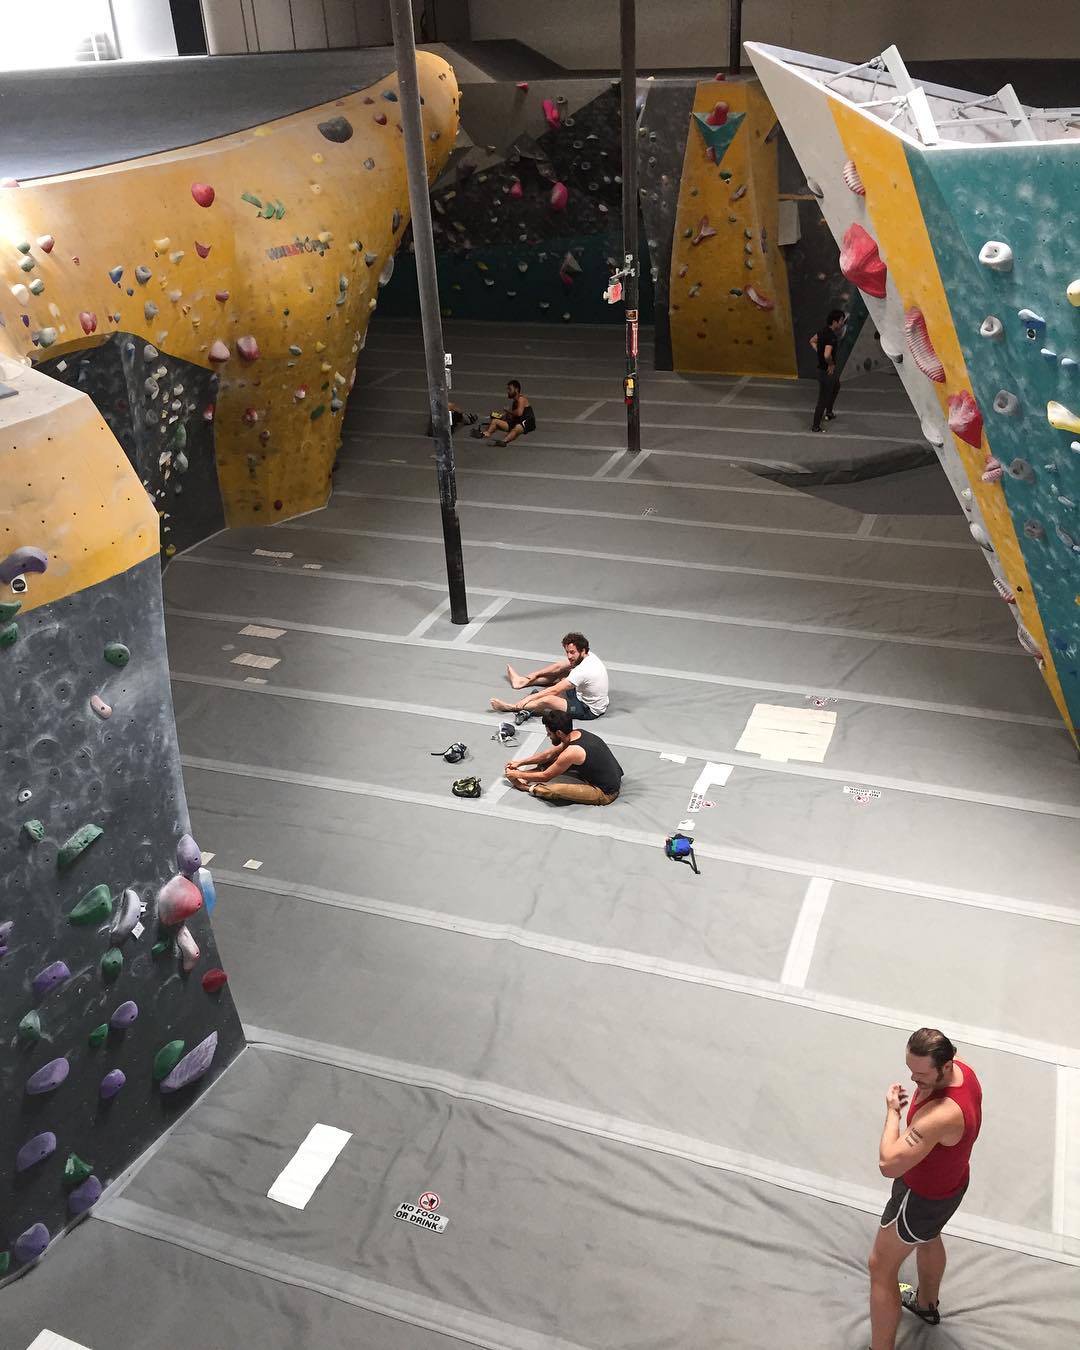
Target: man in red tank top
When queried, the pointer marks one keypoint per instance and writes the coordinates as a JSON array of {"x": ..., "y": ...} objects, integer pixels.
[{"x": 928, "y": 1162}]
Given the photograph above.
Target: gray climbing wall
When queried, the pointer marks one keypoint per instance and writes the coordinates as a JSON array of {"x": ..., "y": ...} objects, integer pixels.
[
  {"x": 663, "y": 127},
  {"x": 101, "y": 1004},
  {"x": 161, "y": 409}
]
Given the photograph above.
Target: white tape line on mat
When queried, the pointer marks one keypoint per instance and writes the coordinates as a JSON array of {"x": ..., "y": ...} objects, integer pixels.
[
  {"x": 1066, "y": 1219},
  {"x": 804, "y": 938},
  {"x": 300, "y": 1178}
]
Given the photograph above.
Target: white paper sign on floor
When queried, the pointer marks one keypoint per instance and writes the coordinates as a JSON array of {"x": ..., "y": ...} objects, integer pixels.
[
  {"x": 422, "y": 1218},
  {"x": 49, "y": 1340},
  {"x": 308, "y": 1165},
  {"x": 779, "y": 733}
]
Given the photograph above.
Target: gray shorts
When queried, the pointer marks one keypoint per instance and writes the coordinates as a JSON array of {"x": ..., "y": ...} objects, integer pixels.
[
  {"x": 918, "y": 1219},
  {"x": 578, "y": 710}
]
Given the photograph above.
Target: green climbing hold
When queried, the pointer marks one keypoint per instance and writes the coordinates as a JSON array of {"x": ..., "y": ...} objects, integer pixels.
[
  {"x": 33, "y": 831},
  {"x": 117, "y": 654},
  {"x": 159, "y": 949},
  {"x": 30, "y": 1029},
  {"x": 318, "y": 412},
  {"x": 9, "y": 635},
  {"x": 5, "y": 1261},
  {"x": 294, "y": 350},
  {"x": 97, "y": 1036},
  {"x": 94, "y": 907},
  {"x": 279, "y": 214},
  {"x": 268, "y": 211},
  {"x": 251, "y": 199},
  {"x": 166, "y": 1059},
  {"x": 76, "y": 1171},
  {"x": 112, "y": 963},
  {"x": 79, "y": 842},
  {"x": 8, "y": 609}
]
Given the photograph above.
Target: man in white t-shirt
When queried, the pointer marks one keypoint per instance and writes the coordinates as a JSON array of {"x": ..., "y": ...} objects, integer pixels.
[{"x": 577, "y": 685}]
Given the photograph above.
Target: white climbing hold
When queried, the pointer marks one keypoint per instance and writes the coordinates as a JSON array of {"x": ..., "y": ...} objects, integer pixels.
[
  {"x": 852, "y": 181},
  {"x": 995, "y": 255},
  {"x": 978, "y": 533},
  {"x": 933, "y": 434},
  {"x": 1072, "y": 292},
  {"x": 992, "y": 328}
]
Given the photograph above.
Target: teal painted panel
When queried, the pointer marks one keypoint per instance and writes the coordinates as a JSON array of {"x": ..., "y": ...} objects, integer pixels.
[{"x": 1028, "y": 197}]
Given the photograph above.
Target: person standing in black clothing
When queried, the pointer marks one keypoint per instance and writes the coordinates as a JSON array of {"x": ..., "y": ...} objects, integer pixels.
[
  {"x": 825, "y": 344},
  {"x": 581, "y": 754}
]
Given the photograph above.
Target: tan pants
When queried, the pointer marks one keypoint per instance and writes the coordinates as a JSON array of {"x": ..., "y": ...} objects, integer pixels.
[{"x": 572, "y": 792}]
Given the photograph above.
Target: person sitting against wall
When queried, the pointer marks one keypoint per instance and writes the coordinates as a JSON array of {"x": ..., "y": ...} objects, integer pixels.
[{"x": 516, "y": 419}]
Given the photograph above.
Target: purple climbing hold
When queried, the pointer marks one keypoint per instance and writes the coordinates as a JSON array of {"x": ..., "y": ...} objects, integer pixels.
[
  {"x": 48, "y": 1078},
  {"x": 192, "y": 1067},
  {"x": 22, "y": 560},
  {"x": 49, "y": 978},
  {"x": 188, "y": 857},
  {"x": 85, "y": 1196},
  {"x": 35, "y": 1150},
  {"x": 111, "y": 1084},
  {"x": 6, "y": 929},
  {"x": 123, "y": 1017},
  {"x": 30, "y": 1245}
]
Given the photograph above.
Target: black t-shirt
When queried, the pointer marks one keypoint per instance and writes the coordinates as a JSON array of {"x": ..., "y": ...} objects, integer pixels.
[
  {"x": 826, "y": 337},
  {"x": 600, "y": 767}
]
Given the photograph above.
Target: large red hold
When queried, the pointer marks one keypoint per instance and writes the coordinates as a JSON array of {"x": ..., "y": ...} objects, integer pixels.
[
  {"x": 861, "y": 263},
  {"x": 177, "y": 901},
  {"x": 965, "y": 419},
  {"x": 203, "y": 194}
]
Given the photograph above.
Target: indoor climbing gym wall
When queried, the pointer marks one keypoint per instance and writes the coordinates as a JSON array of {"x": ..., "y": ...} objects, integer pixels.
[
  {"x": 114, "y": 1005},
  {"x": 213, "y": 300},
  {"x": 528, "y": 214},
  {"x": 728, "y": 290},
  {"x": 967, "y": 255}
]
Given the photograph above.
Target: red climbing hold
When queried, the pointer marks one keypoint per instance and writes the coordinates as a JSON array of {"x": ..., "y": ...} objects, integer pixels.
[
  {"x": 46, "y": 243},
  {"x": 249, "y": 417},
  {"x": 965, "y": 419},
  {"x": 218, "y": 352},
  {"x": 381, "y": 119},
  {"x": 214, "y": 980},
  {"x": 921, "y": 348},
  {"x": 759, "y": 298},
  {"x": 177, "y": 901},
  {"x": 552, "y": 114},
  {"x": 704, "y": 231},
  {"x": 88, "y": 322},
  {"x": 861, "y": 263},
  {"x": 559, "y": 197},
  {"x": 203, "y": 193},
  {"x": 516, "y": 190},
  {"x": 719, "y": 115},
  {"x": 248, "y": 348},
  {"x": 523, "y": 85},
  {"x": 203, "y": 250}
]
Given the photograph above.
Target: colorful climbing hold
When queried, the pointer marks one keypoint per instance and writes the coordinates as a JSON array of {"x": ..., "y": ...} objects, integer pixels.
[
  {"x": 115, "y": 273},
  {"x": 99, "y": 706},
  {"x": 992, "y": 470},
  {"x": 73, "y": 848},
  {"x": 852, "y": 180},
  {"x": 52, "y": 975},
  {"x": 95, "y": 907},
  {"x": 203, "y": 250},
  {"x": 178, "y": 900},
  {"x": 111, "y": 964},
  {"x": 48, "y": 1078},
  {"x": 29, "y": 1029},
  {"x": 117, "y": 654},
  {"x": 46, "y": 243},
  {"x": 203, "y": 194},
  {"x": 559, "y": 197},
  {"x": 996, "y": 256},
  {"x": 21, "y": 560},
  {"x": 9, "y": 635},
  {"x": 861, "y": 263},
  {"x": 75, "y": 1170},
  {"x": 143, "y": 275},
  {"x": 188, "y": 948},
  {"x": 205, "y": 882},
  {"x": 214, "y": 980},
  {"x": 193, "y": 1066},
  {"x": 98, "y": 1035},
  {"x": 704, "y": 231},
  {"x": 336, "y": 129},
  {"x": 31, "y": 1244},
  {"x": 218, "y": 352},
  {"x": 1062, "y": 418},
  {"x": 965, "y": 419},
  {"x": 759, "y": 299},
  {"x": 921, "y": 348},
  {"x": 35, "y": 1150},
  {"x": 551, "y": 114},
  {"x": 248, "y": 348},
  {"x": 167, "y": 1059},
  {"x": 1006, "y": 403},
  {"x": 188, "y": 857},
  {"x": 992, "y": 328},
  {"x": 127, "y": 917},
  {"x": 85, "y": 1196},
  {"x": 111, "y": 1084},
  {"x": 124, "y": 1016}
]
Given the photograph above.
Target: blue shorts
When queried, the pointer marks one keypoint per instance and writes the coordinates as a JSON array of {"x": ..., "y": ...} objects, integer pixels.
[{"x": 577, "y": 710}]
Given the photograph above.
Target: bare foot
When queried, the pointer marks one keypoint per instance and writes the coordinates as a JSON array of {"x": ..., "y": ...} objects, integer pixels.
[
  {"x": 501, "y": 706},
  {"x": 516, "y": 681}
]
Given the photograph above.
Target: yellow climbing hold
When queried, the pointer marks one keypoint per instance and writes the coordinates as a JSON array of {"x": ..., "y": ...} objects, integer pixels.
[
  {"x": 160, "y": 245},
  {"x": 1061, "y": 418}
]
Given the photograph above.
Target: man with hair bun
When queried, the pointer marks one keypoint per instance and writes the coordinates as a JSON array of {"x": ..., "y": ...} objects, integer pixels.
[{"x": 928, "y": 1162}]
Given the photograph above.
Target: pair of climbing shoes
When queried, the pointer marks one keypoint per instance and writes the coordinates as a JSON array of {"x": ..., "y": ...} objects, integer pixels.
[
  {"x": 454, "y": 753},
  {"x": 466, "y": 787}
]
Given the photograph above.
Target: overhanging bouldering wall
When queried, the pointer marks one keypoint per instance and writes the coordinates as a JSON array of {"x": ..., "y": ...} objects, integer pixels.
[
  {"x": 729, "y": 303},
  {"x": 527, "y": 217},
  {"x": 255, "y": 257},
  {"x": 113, "y": 1002},
  {"x": 975, "y": 294}
]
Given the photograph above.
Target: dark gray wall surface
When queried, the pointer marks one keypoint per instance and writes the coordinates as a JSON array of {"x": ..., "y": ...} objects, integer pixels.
[
  {"x": 662, "y": 131},
  {"x": 136, "y": 389},
  {"x": 122, "y": 774}
]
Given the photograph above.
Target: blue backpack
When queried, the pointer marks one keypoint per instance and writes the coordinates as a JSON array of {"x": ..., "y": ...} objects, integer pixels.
[{"x": 680, "y": 848}]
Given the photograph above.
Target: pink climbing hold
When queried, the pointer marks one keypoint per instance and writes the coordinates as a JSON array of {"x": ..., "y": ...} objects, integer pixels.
[
  {"x": 381, "y": 119},
  {"x": 189, "y": 948},
  {"x": 704, "y": 231},
  {"x": 9, "y": 182},
  {"x": 46, "y": 243},
  {"x": 177, "y": 901},
  {"x": 100, "y": 707},
  {"x": 921, "y": 348},
  {"x": 249, "y": 416},
  {"x": 221, "y": 296},
  {"x": 203, "y": 193},
  {"x": 759, "y": 299},
  {"x": 218, "y": 352},
  {"x": 1005, "y": 591},
  {"x": 551, "y": 112},
  {"x": 559, "y": 197},
  {"x": 523, "y": 85},
  {"x": 852, "y": 181},
  {"x": 719, "y": 115},
  {"x": 248, "y": 348},
  {"x": 992, "y": 470},
  {"x": 516, "y": 190},
  {"x": 88, "y": 322},
  {"x": 203, "y": 250},
  {"x": 861, "y": 263},
  {"x": 965, "y": 419}
]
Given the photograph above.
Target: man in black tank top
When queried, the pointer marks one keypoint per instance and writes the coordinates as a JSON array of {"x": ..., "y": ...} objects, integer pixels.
[{"x": 596, "y": 773}]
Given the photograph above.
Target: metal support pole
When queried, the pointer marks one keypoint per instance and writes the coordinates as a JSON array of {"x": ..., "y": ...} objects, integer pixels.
[
  {"x": 431, "y": 317},
  {"x": 631, "y": 261},
  {"x": 735, "y": 40}
]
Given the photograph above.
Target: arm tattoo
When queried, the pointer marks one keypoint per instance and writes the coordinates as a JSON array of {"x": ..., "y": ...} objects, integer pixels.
[{"x": 914, "y": 1138}]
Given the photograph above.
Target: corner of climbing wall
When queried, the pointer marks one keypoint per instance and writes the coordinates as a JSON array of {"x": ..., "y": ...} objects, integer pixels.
[
  {"x": 218, "y": 317},
  {"x": 931, "y": 237},
  {"x": 112, "y": 997},
  {"x": 730, "y": 309}
]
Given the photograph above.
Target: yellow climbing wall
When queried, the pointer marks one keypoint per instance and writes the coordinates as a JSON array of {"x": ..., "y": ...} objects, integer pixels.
[
  {"x": 279, "y": 262},
  {"x": 730, "y": 307},
  {"x": 66, "y": 487},
  {"x": 898, "y": 227}
]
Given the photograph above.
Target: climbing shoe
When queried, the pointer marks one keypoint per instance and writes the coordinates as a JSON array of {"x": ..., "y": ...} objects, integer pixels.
[
  {"x": 522, "y": 715},
  {"x": 506, "y": 734},
  {"x": 909, "y": 1298},
  {"x": 466, "y": 787},
  {"x": 453, "y": 754},
  {"x": 476, "y": 432}
]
